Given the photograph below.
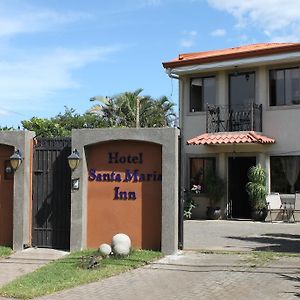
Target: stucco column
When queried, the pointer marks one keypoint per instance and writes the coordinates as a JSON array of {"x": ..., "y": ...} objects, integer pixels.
[
  {"x": 21, "y": 140},
  {"x": 78, "y": 234},
  {"x": 222, "y": 89},
  {"x": 22, "y": 189},
  {"x": 264, "y": 161},
  {"x": 222, "y": 172},
  {"x": 262, "y": 86},
  {"x": 169, "y": 235}
]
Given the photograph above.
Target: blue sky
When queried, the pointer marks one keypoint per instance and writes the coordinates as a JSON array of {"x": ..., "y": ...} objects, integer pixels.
[{"x": 60, "y": 53}]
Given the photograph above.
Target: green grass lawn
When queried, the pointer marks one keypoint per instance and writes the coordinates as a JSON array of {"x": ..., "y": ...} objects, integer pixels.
[
  {"x": 5, "y": 251},
  {"x": 71, "y": 271}
]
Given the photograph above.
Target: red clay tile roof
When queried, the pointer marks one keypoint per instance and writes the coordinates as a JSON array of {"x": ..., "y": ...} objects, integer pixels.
[
  {"x": 232, "y": 53},
  {"x": 238, "y": 137}
]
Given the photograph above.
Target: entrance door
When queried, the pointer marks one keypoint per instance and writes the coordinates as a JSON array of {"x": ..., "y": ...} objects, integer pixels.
[
  {"x": 237, "y": 171},
  {"x": 51, "y": 203}
]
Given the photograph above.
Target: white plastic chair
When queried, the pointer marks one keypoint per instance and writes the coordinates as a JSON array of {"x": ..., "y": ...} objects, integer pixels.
[
  {"x": 288, "y": 204},
  {"x": 274, "y": 202}
]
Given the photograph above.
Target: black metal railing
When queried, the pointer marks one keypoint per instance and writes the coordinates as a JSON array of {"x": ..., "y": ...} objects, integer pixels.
[{"x": 224, "y": 118}]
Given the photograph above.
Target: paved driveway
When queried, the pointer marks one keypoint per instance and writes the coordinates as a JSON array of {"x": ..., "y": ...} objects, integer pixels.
[
  {"x": 196, "y": 275},
  {"x": 192, "y": 275},
  {"x": 242, "y": 235}
]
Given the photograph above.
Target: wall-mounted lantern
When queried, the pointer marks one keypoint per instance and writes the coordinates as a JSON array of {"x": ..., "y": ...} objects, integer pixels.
[
  {"x": 16, "y": 159},
  {"x": 73, "y": 159}
]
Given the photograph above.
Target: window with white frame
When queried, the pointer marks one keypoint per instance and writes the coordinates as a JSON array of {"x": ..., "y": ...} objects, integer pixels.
[
  {"x": 202, "y": 93},
  {"x": 285, "y": 174},
  {"x": 285, "y": 86}
]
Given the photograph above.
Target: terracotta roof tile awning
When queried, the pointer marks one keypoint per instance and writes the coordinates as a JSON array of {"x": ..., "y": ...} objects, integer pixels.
[
  {"x": 232, "y": 53},
  {"x": 239, "y": 137}
]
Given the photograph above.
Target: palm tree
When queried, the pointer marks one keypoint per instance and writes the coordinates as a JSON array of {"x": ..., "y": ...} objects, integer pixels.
[
  {"x": 130, "y": 109},
  {"x": 161, "y": 113}
]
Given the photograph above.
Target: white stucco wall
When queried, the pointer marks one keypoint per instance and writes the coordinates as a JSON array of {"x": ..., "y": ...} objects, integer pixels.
[{"x": 281, "y": 122}]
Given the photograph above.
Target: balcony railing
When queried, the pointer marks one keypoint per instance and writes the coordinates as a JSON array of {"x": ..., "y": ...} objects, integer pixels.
[{"x": 246, "y": 117}]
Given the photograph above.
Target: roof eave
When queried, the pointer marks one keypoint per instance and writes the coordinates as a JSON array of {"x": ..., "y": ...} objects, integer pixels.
[
  {"x": 230, "y": 64},
  {"x": 230, "y": 56}
]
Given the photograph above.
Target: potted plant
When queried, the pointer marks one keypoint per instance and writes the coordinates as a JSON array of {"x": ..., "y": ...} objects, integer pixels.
[
  {"x": 257, "y": 190},
  {"x": 215, "y": 189}
]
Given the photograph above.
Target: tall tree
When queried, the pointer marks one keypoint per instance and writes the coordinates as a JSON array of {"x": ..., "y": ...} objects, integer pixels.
[
  {"x": 62, "y": 124},
  {"x": 130, "y": 109}
]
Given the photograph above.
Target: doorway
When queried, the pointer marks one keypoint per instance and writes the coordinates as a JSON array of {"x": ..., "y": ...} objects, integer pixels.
[
  {"x": 237, "y": 174},
  {"x": 241, "y": 89},
  {"x": 51, "y": 200}
]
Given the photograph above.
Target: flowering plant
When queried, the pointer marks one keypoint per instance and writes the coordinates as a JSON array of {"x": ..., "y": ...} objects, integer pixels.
[
  {"x": 189, "y": 202},
  {"x": 196, "y": 189}
]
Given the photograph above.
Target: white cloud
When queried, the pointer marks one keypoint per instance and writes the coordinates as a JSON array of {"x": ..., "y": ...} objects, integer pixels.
[
  {"x": 185, "y": 43},
  {"x": 278, "y": 18},
  {"x": 27, "y": 19},
  {"x": 29, "y": 76},
  {"x": 189, "y": 39},
  {"x": 26, "y": 82},
  {"x": 219, "y": 32}
]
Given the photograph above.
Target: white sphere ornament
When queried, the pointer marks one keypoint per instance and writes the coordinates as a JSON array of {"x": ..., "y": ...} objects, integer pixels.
[
  {"x": 121, "y": 238},
  {"x": 121, "y": 250},
  {"x": 105, "y": 250}
]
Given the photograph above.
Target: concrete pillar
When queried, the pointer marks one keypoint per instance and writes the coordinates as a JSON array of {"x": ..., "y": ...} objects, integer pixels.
[
  {"x": 262, "y": 86},
  {"x": 21, "y": 140},
  {"x": 222, "y": 89},
  {"x": 78, "y": 234},
  {"x": 222, "y": 171},
  {"x": 264, "y": 161},
  {"x": 268, "y": 170}
]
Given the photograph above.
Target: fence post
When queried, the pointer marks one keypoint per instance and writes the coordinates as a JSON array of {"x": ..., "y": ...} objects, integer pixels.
[
  {"x": 260, "y": 115},
  {"x": 206, "y": 118},
  {"x": 252, "y": 116}
]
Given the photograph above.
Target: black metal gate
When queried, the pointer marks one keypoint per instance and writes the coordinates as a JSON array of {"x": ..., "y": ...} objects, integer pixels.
[{"x": 51, "y": 193}]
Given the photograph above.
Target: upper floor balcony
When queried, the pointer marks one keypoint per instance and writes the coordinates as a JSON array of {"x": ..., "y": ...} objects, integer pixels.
[{"x": 226, "y": 118}]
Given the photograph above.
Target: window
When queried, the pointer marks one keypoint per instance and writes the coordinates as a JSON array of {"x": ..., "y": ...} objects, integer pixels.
[
  {"x": 285, "y": 87},
  {"x": 199, "y": 169},
  {"x": 285, "y": 177},
  {"x": 202, "y": 92}
]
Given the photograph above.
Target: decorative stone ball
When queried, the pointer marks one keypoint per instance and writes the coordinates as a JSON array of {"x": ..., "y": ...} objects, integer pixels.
[
  {"x": 121, "y": 249},
  {"x": 121, "y": 238},
  {"x": 105, "y": 250}
]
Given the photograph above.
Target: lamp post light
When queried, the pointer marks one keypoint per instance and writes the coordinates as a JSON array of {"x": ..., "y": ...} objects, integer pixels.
[
  {"x": 16, "y": 159},
  {"x": 73, "y": 159}
]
